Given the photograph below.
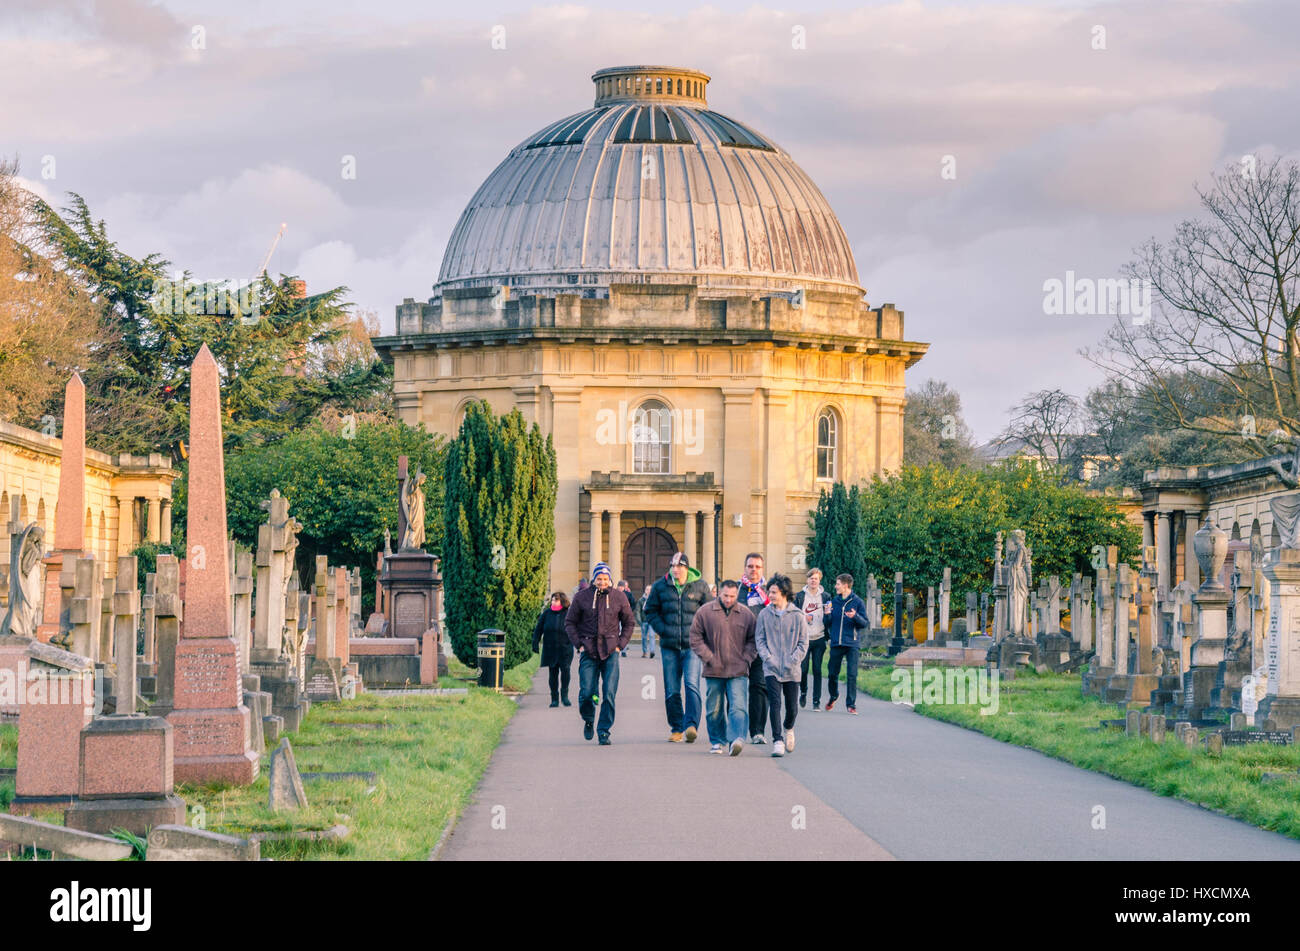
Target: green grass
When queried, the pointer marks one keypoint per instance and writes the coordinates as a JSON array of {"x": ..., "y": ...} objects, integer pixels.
[
  {"x": 8, "y": 760},
  {"x": 1047, "y": 712},
  {"x": 428, "y": 753}
]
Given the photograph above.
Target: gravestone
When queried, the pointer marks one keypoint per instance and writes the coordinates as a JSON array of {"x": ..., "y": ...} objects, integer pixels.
[
  {"x": 945, "y": 602},
  {"x": 409, "y": 573},
  {"x": 168, "y": 610},
  {"x": 209, "y": 719},
  {"x": 325, "y": 677},
  {"x": 1211, "y": 600},
  {"x": 49, "y": 731},
  {"x": 126, "y": 759},
  {"x": 286, "y": 792},
  {"x": 1281, "y": 702}
]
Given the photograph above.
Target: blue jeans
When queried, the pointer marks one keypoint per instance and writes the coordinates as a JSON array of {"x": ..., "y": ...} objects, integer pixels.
[
  {"x": 647, "y": 639},
  {"x": 734, "y": 723},
  {"x": 682, "y": 668},
  {"x": 590, "y": 670}
]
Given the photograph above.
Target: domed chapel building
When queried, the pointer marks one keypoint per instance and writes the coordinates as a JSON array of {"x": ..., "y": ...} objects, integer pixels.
[{"x": 668, "y": 294}]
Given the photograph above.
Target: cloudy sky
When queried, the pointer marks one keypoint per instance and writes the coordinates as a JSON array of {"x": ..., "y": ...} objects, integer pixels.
[{"x": 1076, "y": 131}]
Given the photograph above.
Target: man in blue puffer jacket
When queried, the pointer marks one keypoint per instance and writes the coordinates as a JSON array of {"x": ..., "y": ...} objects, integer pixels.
[{"x": 847, "y": 617}]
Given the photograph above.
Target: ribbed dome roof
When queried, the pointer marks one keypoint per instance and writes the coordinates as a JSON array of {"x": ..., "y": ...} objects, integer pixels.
[{"x": 649, "y": 180}]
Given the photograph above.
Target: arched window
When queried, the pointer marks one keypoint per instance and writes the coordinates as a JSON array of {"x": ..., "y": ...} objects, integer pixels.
[
  {"x": 652, "y": 438},
  {"x": 828, "y": 432}
]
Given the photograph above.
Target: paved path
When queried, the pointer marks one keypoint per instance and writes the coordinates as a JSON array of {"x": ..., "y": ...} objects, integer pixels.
[{"x": 888, "y": 783}]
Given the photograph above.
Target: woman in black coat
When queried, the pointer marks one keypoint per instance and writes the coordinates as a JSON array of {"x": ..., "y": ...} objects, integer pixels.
[{"x": 557, "y": 651}]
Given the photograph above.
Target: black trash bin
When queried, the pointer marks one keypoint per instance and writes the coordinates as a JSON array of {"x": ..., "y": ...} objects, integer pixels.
[{"x": 491, "y": 658}]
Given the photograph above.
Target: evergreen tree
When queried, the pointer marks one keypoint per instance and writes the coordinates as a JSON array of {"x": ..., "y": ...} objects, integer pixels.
[{"x": 499, "y": 525}]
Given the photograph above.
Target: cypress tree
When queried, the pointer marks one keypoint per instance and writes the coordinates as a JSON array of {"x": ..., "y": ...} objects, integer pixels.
[{"x": 499, "y": 523}]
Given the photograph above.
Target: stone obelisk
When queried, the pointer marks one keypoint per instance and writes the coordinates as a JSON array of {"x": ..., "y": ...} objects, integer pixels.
[
  {"x": 209, "y": 718},
  {"x": 70, "y": 518}
]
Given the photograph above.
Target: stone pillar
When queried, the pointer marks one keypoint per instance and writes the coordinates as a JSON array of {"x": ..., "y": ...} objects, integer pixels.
[
  {"x": 945, "y": 602},
  {"x": 126, "y": 615},
  {"x": 1192, "y": 567},
  {"x": 126, "y": 539},
  {"x": 708, "y": 560},
  {"x": 1124, "y": 615},
  {"x": 70, "y": 514},
  {"x": 165, "y": 527},
  {"x": 1163, "y": 572},
  {"x": 1148, "y": 529},
  {"x": 929, "y": 614},
  {"x": 568, "y": 432},
  {"x": 597, "y": 527},
  {"x": 153, "y": 522},
  {"x": 688, "y": 538},
  {"x": 147, "y": 608},
  {"x": 209, "y": 720},
  {"x": 167, "y": 604},
  {"x": 616, "y": 545},
  {"x": 243, "y": 594},
  {"x": 342, "y": 615},
  {"x": 1282, "y": 702},
  {"x": 1211, "y": 600}
]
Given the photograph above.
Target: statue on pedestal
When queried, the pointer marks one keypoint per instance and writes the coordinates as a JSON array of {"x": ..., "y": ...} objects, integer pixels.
[
  {"x": 1016, "y": 577},
  {"x": 26, "y": 549},
  {"x": 1286, "y": 508},
  {"x": 412, "y": 502}
]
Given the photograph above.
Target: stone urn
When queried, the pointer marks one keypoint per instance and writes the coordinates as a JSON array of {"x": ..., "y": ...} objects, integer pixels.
[{"x": 1211, "y": 546}]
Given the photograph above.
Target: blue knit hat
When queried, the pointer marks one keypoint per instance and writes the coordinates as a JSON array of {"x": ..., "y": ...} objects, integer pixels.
[{"x": 600, "y": 569}]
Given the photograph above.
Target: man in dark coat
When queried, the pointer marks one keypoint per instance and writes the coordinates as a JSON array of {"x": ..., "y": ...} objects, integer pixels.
[
  {"x": 557, "y": 652},
  {"x": 599, "y": 624},
  {"x": 670, "y": 609}
]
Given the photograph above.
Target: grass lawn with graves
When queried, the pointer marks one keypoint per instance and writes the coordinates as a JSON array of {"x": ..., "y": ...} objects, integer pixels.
[
  {"x": 1048, "y": 713},
  {"x": 427, "y": 751}
]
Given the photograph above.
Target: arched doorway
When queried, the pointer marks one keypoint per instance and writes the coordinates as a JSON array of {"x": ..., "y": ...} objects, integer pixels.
[{"x": 646, "y": 556}]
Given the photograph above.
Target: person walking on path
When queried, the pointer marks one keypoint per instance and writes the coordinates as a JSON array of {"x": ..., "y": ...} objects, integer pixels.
[
  {"x": 847, "y": 617},
  {"x": 647, "y": 632},
  {"x": 599, "y": 624},
  {"x": 753, "y": 594},
  {"x": 722, "y": 636},
  {"x": 557, "y": 652},
  {"x": 671, "y": 608},
  {"x": 781, "y": 636},
  {"x": 814, "y": 601}
]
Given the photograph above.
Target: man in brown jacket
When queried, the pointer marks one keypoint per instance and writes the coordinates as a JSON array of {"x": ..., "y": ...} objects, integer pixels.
[{"x": 722, "y": 634}]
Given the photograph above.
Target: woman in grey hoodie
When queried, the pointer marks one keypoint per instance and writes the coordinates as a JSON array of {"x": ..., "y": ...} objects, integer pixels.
[{"x": 781, "y": 635}]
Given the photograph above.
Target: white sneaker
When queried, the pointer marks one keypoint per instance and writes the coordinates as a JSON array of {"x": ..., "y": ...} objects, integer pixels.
[
  {"x": 736, "y": 747},
  {"x": 716, "y": 748},
  {"x": 789, "y": 740},
  {"x": 757, "y": 739},
  {"x": 778, "y": 748}
]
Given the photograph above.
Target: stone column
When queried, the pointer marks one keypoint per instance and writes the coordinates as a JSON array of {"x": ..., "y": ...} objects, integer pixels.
[
  {"x": 1193, "y": 568},
  {"x": 567, "y": 430},
  {"x": 209, "y": 721},
  {"x": 945, "y": 602},
  {"x": 1124, "y": 614},
  {"x": 154, "y": 522},
  {"x": 148, "y": 609},
  {"x": 708, "y": 560},
  {"x": 1282, "y": 702},
  {"x": 167, "y": 601},
  {"x": 616, "y": 545},
  {"x": 70, "y": 514},
  {"x": 1085, "y": 616},
  {"x": 165, "y": 528},
  {"x": 688, "y": 539},
  {"x": 125, "y": 526},
  {"x": 1163, "y": 573},
  {"x": 1211, "y": 600},
  {"x": 1148, "y": 529},
  {"x": 595, "y": 532}
]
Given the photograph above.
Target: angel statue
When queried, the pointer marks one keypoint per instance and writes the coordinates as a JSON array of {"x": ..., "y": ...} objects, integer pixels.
[
  {"x": 1286, "y": 508},
  {"x": 25, "y": 554},
  {"x": 1016, "y": 578},
  {"x": 413, "y": 509}
]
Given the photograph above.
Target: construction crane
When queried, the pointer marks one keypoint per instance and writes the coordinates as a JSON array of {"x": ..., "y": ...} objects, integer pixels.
[{"x": 267, "y": 260}]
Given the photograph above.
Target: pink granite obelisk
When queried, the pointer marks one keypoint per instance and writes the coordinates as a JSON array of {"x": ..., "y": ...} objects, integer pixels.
[
  {"x": 209, "y": 719},
  {"x": 70, "y": 514}
]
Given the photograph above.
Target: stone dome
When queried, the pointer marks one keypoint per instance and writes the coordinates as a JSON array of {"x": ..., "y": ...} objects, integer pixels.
[{"x": 648, "y": 186}]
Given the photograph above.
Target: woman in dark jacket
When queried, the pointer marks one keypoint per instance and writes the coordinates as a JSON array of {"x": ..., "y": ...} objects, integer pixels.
[{"x": 557, "y": 652}]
